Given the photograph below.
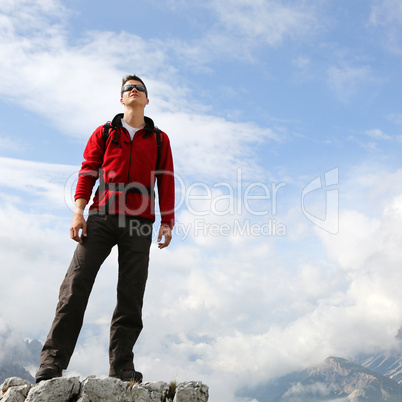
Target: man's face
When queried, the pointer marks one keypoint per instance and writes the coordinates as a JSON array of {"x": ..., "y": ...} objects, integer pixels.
[{"x": 134, "y": 93}]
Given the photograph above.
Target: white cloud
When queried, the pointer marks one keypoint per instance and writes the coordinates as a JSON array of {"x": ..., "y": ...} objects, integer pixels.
[
  {"x": 32, "y": 257},
  {"x": 333, "y": 313},
  {"x": 386, "y": 18},
  {"x": 317, "y": 389},
  {"x": 378, "y": 134},
  {"x": 239, "y": 27},
  {"x": 31, "y": 14},
  {"x": 11, "y": 145},
  {"x": 301, "y": 62},
  {"x": 357, "y": 242},
  {"x": 243, "y": 26},
  {"x": 45, "y": 181},
  {"x": 11, "y": 343},
  {"x": 55, "y": 80},
  {"x": 395, "y": 117},
  {"x": 265, "y": 21},
  {"x": 385, "y": 12},
  {"x": 225, "y": 308},
  {"x": 210, "y": 147},
  {"x": 346, "y": 82}
]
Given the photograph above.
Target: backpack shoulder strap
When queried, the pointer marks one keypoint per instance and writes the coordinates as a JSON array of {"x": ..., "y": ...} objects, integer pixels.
[
  {"x": 106, "y": 131},
  {"x": 158, "y": 134},
  {"x": 107, "y": 127}
]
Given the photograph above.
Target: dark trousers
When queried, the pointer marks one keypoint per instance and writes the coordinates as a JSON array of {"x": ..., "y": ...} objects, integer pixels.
[{"x": 133, "y": 238}]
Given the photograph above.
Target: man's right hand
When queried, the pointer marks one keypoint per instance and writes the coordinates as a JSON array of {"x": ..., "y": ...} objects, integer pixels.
[{"x": 78, "y": 224}]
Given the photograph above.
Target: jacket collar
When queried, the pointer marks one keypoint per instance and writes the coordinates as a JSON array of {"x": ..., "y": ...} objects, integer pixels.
[{"x": 149, "y": 124}]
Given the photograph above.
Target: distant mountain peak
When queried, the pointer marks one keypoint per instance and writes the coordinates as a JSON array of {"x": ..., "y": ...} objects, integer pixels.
[{"x": 334, "y": 378}]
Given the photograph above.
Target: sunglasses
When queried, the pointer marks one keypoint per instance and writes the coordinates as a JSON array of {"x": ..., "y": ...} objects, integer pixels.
[{"x": 130, "y": 87}]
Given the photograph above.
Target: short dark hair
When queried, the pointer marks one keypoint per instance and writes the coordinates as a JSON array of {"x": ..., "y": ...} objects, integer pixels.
[{"x": 134, "y": 78}]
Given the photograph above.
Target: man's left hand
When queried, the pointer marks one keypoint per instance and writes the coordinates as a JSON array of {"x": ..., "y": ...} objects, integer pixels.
[{"x": 166, "y": 232}]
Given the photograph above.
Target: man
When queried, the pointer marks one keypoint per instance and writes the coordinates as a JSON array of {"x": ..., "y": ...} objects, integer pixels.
[{"x": 127, "y": 157}]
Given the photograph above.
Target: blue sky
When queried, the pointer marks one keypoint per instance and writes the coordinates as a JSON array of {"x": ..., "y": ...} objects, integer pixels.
[{"x": 295, "y": 103}]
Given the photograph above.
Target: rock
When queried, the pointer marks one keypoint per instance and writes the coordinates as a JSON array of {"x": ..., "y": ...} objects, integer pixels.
[
  {"x": 14, "y": 389},
  {"x": 99, "y": 390},
  {"x": 149, "y": 392},
  {"x": 16, "y": 394},
  {"x": 13, "y": 382},
  {"x": 193, "y": 391},
  {"x": 56, "y": 389},
  {"x": 91, "y": 389}
]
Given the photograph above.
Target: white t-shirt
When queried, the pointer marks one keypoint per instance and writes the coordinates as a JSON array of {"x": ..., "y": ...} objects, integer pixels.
[{"x": 131, "y": 130}]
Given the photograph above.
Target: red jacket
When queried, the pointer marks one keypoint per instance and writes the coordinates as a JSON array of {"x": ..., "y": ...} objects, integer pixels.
[{"x": 122, "y": 166}]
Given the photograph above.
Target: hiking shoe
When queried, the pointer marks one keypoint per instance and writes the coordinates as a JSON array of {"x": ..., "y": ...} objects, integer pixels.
[
  {"x": 130, "y": 375},
  {"x": 47, "y": 372}
]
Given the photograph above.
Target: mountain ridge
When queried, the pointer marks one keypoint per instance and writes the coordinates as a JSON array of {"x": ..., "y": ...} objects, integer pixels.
[
  {"x": 334, "y": 379},
  {"x": 386, "y": 363}
]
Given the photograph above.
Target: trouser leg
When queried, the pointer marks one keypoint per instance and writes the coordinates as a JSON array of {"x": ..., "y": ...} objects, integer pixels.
[
  {"x": 133, "y": 245},
  {"x": 74, "y": 292}
]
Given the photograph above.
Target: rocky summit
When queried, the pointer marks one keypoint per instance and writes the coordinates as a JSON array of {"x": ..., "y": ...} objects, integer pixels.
[{"x": 91, "y": 389}]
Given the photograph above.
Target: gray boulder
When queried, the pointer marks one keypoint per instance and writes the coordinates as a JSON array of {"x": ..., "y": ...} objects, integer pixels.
[
  {"x": 149, "y": 392},
  {"x": 99, "y": 390},
  {"x": 16, "y": 394},
  {"x": 13, "y": 382},
  {"x": 193, "y": 391},
  {"x": 57, "y": 389},
  {"x": 14, "y": 389}
]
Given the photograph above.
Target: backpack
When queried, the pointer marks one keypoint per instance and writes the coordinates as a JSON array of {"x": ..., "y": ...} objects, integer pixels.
[{"x": 108, "y": 126}]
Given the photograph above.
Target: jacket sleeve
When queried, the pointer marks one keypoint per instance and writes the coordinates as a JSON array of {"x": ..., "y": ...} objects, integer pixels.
[
  {"x": 166, "y": 186},
  {"x": 93, "y": 158}
]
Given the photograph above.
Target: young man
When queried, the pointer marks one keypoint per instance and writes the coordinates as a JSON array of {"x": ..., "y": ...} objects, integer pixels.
[{"x": 128, "y": 158}]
